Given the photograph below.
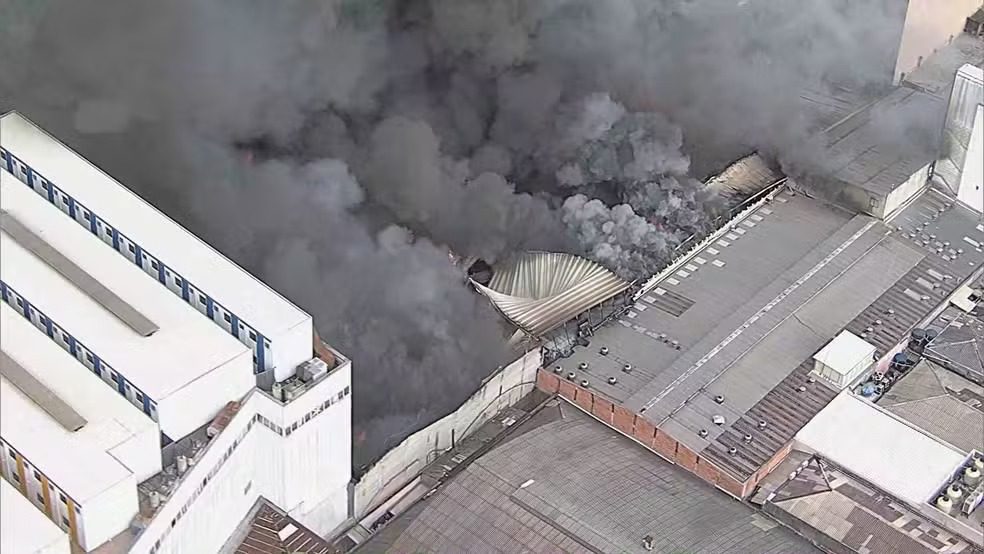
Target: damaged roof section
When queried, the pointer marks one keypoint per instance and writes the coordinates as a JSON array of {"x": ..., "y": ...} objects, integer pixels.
[{"x": 539, "y": 291}]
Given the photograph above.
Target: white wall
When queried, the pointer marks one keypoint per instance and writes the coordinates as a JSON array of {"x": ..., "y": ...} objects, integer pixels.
[
  {"x": 141, "y": 454},
  {"x": 303, "y": 472},
  {"x": 905, "y": 191},
  {"x": 104, "y": 516},
  {"x": 291, "y": 348},
  {"x": 195, "y": 404},
  {"x": 929, "y": 25},
  {"x": 971, "y": 190},
  {"x": 401, "y": 464}
]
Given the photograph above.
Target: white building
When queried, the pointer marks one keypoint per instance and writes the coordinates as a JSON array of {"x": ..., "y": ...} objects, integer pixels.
[
  {"x": 25, "y": 529},
  {"x": 129, "y": 345},
  {"x": 962, "y": 165}
]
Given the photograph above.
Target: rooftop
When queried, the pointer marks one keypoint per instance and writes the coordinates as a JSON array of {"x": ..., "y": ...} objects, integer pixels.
[
  {"x": 184, "y": 345},
  {"x": 563, "y": 482},
  {"x": 270, "y": 531},
  {"x": 112, "y": 431},
  {"x": 196, "y": 261},
  {"x": 814, "y": 496},
  {"x": 859, "y": 153},
  {"x": 941, "y": 403},
  {"x": 897, "y": 458},
  {"x": 25, "y": 528},
  {"x": 960, "y": 343},
  {"x": 743, "y": 315}
]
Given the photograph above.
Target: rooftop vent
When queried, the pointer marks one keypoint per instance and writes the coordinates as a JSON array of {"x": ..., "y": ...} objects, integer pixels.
[
  {"x": 732, "y": 451},
  {"x": 811, "y": 379},
  {"x": 558, "y": 369},
  {"x": 647, "y": 543},
  {"x": 878, "y": 322},
  {"x": 747, "y": 438},
  {"x": 801, "y": 388},
  {"x": 627, "y": 368},
  {"x": 702, "y": 433},
  {"x": 675, "y": 344},
  {"x": 571, "y": 375},
  {"x": 718, "y": 419},
  {"x": 582, "y": 366},
  {"x": 603, "y": 351},
  {"x": 890, "y": 311},
  {"x": 719, "y": 399},
  {"x": 612, "y": 380},
  {"x": 584, "y": 383},
  {"x": 763, "y": 424}
]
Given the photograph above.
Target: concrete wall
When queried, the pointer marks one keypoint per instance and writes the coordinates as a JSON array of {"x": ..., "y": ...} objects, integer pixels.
[
  {"x": 400, "y": 465},
  {"x": 971, "y": 191},
  {"x": 905, "y": 191},
  {"x": 930, "y": 25},
  {"x": 104, "y": 516},
  {"x": 195, "y": 404},
  {"x": 297, "y": 455},
  {"x": 291, "y": 348}
]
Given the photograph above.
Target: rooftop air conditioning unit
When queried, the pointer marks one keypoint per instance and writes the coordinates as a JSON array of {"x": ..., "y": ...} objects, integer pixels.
[{"x": 312, "y": 370}]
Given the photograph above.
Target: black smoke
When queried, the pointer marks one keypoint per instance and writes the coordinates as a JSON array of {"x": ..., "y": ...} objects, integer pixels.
[{"x": 339, "y": 148}]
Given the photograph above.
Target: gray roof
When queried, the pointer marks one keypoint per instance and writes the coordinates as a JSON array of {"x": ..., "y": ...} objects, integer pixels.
[
  {"x": 960, "y": 344},
  {"x": 941, "y": 403},
  {"x": 859, "y": 154},
  {"x": 563, "y": 482},
  {"x": 749, "y": 311},
  {"x": 538, "y": 291},
  {"x": 826, "y": 500}
]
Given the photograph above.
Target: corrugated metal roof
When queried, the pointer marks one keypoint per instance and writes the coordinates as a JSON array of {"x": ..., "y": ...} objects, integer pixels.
[
  {"x": 745, "y": 177},
  {"x": 538, "y": 291}
]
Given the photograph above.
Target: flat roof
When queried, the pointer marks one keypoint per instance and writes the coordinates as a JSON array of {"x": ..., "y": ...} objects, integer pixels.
[
  {"x": 563, "y": 482},
  {"x": 941, "y": 403},
  {"x": 110, "y": 420},
  {"x": 749, "y": 311},
  {"x": 897, "y": 458},
  {"x": 250, "y": 299},
  {"x": 83, "y": 475},
  {"x": 25, "y": 527},
  {"x": 858, "y": 153},
  {"x": 186, "y": 345},
  {"x": 844, "y": 352}
]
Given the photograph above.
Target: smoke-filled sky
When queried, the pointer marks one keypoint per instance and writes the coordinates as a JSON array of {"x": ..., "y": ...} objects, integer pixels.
[{"x": 383, "y": 132}]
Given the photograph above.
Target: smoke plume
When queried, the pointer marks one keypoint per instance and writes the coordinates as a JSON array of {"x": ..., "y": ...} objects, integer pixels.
[{"x": 338, "y": 148}]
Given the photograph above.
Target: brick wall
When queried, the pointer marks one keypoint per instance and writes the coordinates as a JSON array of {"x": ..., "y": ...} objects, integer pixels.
[{"x": 646, "y": 433}]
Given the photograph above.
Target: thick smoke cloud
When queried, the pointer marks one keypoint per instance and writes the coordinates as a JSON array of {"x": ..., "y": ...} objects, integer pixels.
[{"x": 383, "y": 132}]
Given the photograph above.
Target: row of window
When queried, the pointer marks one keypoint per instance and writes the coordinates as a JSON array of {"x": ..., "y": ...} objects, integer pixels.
[
  {"x": 257, "y": 418},
  {"x": 33, "y": 488},
  {"x": 78, "y": 350},
  {"x": 137, "y": 255}
]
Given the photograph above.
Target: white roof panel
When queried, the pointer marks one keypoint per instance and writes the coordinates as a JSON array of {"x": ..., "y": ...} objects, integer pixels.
[
  {"x": 845, "y": 352},
  {"x": 881, "y": 449},
  {"x": 110, "y": 419},
  {"x": 186, "y": 346},
  {"x": 26, "y": 529},
  {"x": 250, "y": 299},
  {"x": 70, "y": 460}
]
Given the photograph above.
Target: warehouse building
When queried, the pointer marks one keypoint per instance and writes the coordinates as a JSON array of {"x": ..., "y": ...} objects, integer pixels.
[{"x": 153, "y": 391}]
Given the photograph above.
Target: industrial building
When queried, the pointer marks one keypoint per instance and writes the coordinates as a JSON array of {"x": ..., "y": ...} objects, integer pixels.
[
  {"x": 560, "y": 481},
  {"x": 153, "y": 391}
]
